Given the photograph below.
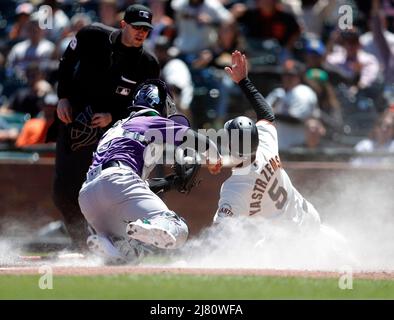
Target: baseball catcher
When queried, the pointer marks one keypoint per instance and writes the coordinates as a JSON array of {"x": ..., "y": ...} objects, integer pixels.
[{"x": 118, "y": 201}]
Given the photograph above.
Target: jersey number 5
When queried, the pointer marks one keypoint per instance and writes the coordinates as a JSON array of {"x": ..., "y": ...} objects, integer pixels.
[{"x": 278, "y": 194}]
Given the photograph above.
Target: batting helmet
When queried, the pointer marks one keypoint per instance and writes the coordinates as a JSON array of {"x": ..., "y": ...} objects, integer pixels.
[
  {"x": 245, "y": 133},
  {"x": 154, "y": 94}
]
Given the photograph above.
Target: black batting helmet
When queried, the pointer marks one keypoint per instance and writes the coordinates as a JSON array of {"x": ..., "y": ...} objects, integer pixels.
[
  {"x": 153, "y": 94},
  {"x": 245, "y": 133}
]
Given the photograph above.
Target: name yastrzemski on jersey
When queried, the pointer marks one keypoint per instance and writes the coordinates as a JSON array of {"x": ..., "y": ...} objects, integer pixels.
[{"x": 277, "y": 194}]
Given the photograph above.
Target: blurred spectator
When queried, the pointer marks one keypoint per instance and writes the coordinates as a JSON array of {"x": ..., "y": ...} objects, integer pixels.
[
  {"x": 330, "y": 108},
  {"x": 294, "y": 103},
  {"x": 381, "y": 140},
  {"x": 362, "y": 97},
  {"x": 267, "y": 20},
  {"x": 353, "y": 61},
  {"x": 308, "y": 12},
  {"x": 197, "y": 22},
  {"x": 318, "y": 76},
  {"x": 314, "y": 57},
  {"x": 314, "y": 53},
  {"x": 26, "y": 100},
  {"x": 313, "y": 15},
  {"x": 35, "y": 130},
  {"x": 197, "y": 26},
  {"x": 78, "y": 21},
  {"x": 108, "y": 13},
  {"x": 211, "y": 63},
  {"x": 388, "y": 7},
  {"x": 382, "y": 44},
  {"x": 177, "y": 76},
  {"x": 219, "y": 54},
  {"x": 363, "y": 13},
  {"x": 7, "y": 12},
  {"x": 8, "y": 133},
  {"x": 35, "y": 49},
  {"x": 163, "y": 25},
  {"x": 18, "y": 29},
  {"x": 368, "y": 40},
  {"x": 314, "y": 131},
  {"x": 3, "y": 97}
]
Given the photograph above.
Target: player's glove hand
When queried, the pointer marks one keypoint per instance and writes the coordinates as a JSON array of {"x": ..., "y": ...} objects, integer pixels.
[
  {"x": 186, "y": 170},
  {"x": 186, "y": 177}
]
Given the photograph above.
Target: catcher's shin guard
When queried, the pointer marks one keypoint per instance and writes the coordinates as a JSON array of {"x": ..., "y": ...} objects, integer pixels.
[{"x": 165, "y": 231}]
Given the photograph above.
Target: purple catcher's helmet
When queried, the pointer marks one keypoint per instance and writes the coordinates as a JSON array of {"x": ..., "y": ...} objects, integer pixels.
[{"x": 154, "y": 94}]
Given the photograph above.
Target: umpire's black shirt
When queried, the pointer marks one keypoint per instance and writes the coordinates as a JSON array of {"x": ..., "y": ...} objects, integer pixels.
[{"x": 97, "y": 70}]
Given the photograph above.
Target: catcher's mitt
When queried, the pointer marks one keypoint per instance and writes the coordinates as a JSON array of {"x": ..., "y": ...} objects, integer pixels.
[
  {"x": 185, "y": 175},
  {"x": 187, "y": 167}
]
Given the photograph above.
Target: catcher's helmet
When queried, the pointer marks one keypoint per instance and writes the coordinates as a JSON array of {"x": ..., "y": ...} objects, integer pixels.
[
  {"x": 246, "y": 135},
  {"x": 154, "y": 94}
]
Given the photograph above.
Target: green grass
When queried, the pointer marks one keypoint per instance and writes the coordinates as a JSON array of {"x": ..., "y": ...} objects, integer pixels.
[{"x": 190, "y": 287}]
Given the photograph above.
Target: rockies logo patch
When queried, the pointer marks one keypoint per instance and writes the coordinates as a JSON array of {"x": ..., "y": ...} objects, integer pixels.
[{"x": 144, "y": 14}]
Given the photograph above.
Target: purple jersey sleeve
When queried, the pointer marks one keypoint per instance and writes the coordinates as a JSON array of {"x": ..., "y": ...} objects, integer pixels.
[
  {"x": 159, "y": 129},
  {"x": 128, "y": 140}
]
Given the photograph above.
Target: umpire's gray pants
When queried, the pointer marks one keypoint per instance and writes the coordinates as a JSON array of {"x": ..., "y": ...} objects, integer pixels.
[{"x": 115, "y": 197}]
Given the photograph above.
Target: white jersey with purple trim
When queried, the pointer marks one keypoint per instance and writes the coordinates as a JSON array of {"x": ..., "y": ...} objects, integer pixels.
[{"x": 263, "y": 189}]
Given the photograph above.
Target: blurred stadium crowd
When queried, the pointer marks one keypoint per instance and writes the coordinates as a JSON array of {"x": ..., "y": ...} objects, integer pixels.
[{"x": 330, "y": 85}]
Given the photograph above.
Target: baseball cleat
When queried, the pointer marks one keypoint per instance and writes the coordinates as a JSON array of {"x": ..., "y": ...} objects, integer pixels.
[
  {"x": 144, "y": 231},
  {"x": 131, "y": 249},
  {"x": 103, "y": 248}
]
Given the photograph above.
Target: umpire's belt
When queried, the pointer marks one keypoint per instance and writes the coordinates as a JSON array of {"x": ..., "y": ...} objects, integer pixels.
[{"x": 95, "y": 172}]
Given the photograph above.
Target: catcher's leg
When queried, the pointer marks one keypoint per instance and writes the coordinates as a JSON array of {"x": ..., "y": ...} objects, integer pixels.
[
  {"x": 98, "y": 200},
  {"x": 165, "y": 230},
  {"x": 118, "y": 197}
]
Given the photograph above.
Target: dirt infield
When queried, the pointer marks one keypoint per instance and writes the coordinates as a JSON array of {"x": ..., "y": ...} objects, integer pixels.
[{"x": 132, "y": 270}]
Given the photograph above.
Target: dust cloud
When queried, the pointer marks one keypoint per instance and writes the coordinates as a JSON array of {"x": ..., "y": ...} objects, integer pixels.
[
  {"x": 357, "y": 214},
  {"x": 357, "y": 232}
]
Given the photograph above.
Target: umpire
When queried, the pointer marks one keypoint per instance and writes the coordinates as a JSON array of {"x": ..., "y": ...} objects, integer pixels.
[{"x": 97, "y": 76}]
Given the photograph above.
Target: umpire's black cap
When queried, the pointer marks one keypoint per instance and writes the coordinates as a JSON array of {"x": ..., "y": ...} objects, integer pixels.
[{"x": 138, "y": 15}]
